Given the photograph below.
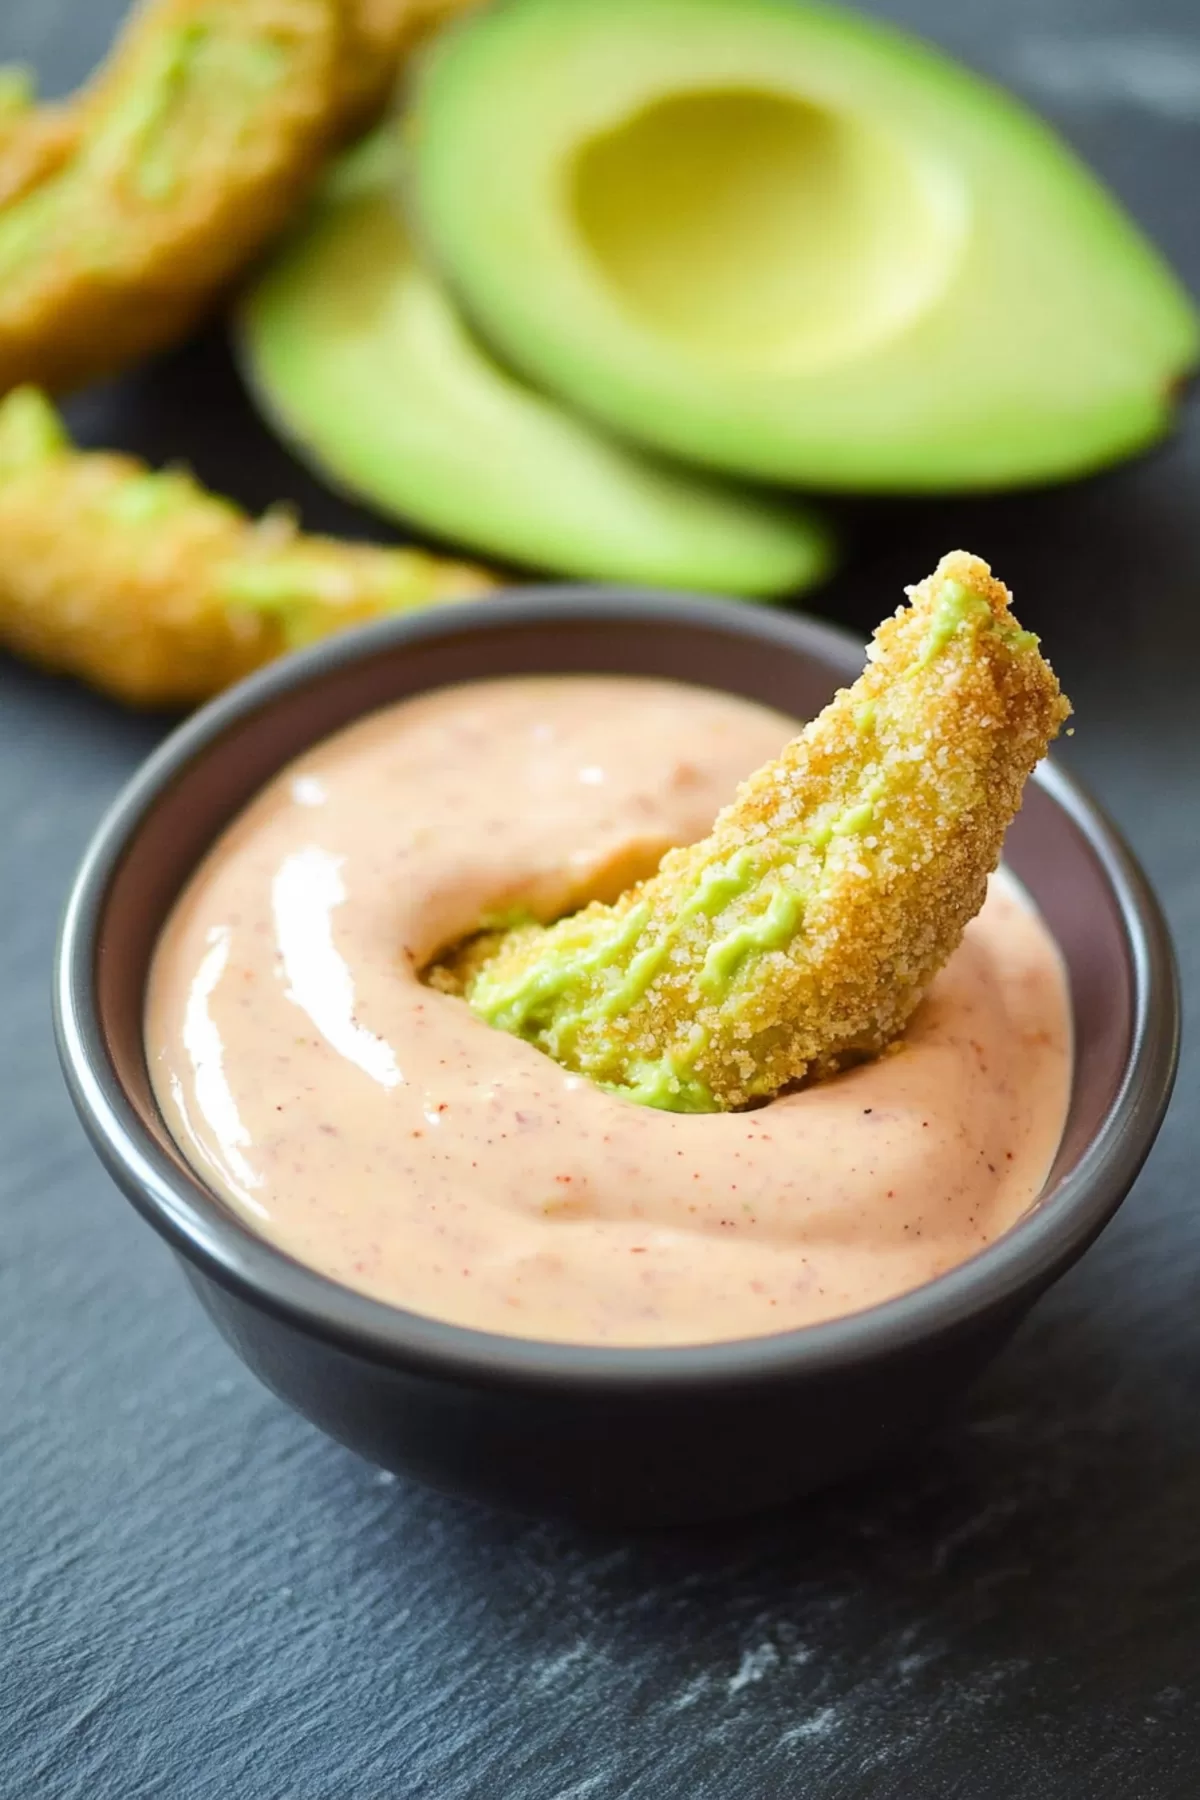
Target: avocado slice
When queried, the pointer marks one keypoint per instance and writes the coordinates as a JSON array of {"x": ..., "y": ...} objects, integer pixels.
[
  {"x": 788, "y": 241},
  {"x": 357, "y": 355}
]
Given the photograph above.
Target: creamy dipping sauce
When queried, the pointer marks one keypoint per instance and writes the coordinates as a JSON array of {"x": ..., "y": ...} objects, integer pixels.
[{"x": 379, "y": 1132}]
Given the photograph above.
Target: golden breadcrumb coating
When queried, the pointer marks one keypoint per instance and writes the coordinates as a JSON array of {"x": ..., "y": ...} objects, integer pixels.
[
  {"x": 160, "y": 593},
  {"x": 190, "y": 149},
  {"x": 803, "y": 931},
  {"x": 34, "y": 140},
  {"x": 380, "y": 35}
]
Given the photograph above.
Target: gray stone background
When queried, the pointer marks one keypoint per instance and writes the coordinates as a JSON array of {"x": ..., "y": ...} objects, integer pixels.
[{"x": 200, "y": 1596}]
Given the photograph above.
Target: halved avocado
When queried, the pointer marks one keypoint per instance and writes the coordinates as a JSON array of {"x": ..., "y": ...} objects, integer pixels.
[
  {"x": 788, "y": 241},
  {"x": 356, "y": 353}
]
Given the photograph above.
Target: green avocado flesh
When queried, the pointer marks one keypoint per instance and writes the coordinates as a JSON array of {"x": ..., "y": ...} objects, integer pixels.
[
  {"x": 360, "y": 359},
  {"x": 787, "y": 241}
]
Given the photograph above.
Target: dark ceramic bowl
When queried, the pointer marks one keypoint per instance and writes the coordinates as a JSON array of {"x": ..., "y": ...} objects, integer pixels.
[{"x": 645, "y": 1435}]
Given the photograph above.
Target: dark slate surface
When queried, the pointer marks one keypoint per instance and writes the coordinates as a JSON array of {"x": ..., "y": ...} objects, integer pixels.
[{"x": 202, "y": 1597}]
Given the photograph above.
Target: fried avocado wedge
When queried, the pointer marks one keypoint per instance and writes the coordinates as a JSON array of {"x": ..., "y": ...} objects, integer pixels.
[
  {"x": 161, "y": 594},
  {"x": 803, "y": 931},
  {"x": 34, "y": 140},
  {"x": 192, "y": 147},
  {"x": 379, "y": 36}
]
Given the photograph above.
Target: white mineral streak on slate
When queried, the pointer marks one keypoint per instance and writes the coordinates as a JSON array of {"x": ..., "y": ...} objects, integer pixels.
[{"x": 754, "y": 1666}]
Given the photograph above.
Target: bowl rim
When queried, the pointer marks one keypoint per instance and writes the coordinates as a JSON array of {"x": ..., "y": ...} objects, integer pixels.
[{"x": 209, "y": 1235}]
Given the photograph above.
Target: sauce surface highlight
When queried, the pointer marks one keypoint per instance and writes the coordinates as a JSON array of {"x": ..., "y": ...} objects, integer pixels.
[{"x": 377, "y": 1131}]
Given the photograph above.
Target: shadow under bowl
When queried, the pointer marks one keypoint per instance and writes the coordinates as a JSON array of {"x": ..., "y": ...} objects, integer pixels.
[{"x": 629, "y": 1435}]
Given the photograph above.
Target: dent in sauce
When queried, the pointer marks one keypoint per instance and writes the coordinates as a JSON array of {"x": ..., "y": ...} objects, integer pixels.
[{"x": 379, "y": 1132}]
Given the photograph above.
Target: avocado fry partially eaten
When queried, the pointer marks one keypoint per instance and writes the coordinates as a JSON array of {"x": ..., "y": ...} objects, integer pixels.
[
  {"x": 785, "y": 240},
  {"x": 803, "y": 931}
]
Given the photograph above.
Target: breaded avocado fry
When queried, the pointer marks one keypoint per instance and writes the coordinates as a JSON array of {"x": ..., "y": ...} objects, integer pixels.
[
  {"x": 34, "y": 140},
  {"x": 154, "y": 187},
  {"x": 160, "y": 593},
  {"x": 379, "y": 35},
  {"x": 803, "y": 931}
]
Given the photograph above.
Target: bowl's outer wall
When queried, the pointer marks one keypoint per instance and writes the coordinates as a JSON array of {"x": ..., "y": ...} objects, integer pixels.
[
  {"x": 638, "y": 1449},
  {"x": 638, "y": 1459}
]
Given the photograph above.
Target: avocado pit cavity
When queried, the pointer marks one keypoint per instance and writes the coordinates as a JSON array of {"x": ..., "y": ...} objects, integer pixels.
[{"x": 764, "y": 229}]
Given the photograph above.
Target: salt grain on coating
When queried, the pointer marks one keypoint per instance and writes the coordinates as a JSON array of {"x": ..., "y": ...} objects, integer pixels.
[{"x": 803, "y": 931}]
